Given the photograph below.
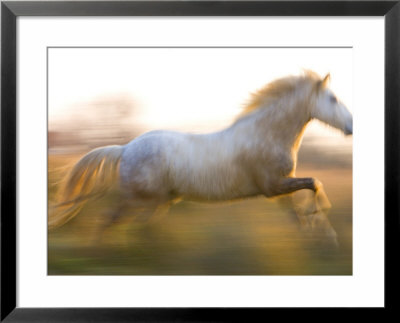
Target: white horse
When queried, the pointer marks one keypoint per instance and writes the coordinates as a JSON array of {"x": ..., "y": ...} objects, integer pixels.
[{"x": 256, "y": 155}]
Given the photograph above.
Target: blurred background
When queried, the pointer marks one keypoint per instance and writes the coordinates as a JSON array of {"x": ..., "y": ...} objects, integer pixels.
[{"x": 104, "y": 96}]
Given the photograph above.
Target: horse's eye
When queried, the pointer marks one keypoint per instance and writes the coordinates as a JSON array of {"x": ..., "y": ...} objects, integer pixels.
[{"x": 333, "y": 99}]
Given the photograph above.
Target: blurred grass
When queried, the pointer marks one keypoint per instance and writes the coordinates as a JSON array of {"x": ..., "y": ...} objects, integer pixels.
[{"x": 248, "y": 237}]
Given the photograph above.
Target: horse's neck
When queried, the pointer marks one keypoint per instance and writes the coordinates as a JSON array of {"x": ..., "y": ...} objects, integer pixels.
[{"x": 282, "y": 127}]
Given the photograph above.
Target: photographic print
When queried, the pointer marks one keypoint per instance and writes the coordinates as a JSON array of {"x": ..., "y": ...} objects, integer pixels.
[{"x": 199, "y": 160}]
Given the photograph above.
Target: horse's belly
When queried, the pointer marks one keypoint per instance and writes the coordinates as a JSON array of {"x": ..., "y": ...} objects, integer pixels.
[
  {"x": 197, "y": 195},
  {"x": 217, "y": 185}
]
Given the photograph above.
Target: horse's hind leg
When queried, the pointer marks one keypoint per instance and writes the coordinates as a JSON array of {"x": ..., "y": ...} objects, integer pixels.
[
  {"x": 111, "y": 217},
  {"x": 156, "y": 212},
  {"x": 141, "y": 210}
]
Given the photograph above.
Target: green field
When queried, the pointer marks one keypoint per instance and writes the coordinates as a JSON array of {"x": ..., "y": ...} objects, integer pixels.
[{"x": 248, "y": 237}]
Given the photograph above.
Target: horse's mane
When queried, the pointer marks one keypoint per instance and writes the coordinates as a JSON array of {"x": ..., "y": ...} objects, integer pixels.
[{"x": 277, "y": 89}]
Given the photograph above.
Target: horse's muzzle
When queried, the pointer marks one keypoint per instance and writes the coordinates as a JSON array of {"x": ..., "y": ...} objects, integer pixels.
[{"x": 348, "y": 130}]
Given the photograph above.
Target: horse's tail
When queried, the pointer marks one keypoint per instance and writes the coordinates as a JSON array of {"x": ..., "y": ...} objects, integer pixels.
[{"x": 90, "y": 178}]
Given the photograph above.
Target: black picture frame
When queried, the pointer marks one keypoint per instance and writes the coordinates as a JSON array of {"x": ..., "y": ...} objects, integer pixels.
[{"x": 10, "y": 11}]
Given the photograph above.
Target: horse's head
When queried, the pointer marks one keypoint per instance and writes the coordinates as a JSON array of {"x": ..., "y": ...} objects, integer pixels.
[{"x": 330, "y": 110}]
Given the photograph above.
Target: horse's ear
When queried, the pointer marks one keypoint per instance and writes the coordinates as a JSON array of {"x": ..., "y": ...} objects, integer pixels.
[
  {"x": 326, "y": 80},
  {"x": 321, "y": 84}
]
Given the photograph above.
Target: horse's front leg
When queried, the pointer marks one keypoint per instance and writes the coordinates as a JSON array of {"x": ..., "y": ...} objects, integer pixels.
[
  {"x": 315, "y": 211},
  {"x": 294, "y": 211},
  {"x": 292, "y": 184}
]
